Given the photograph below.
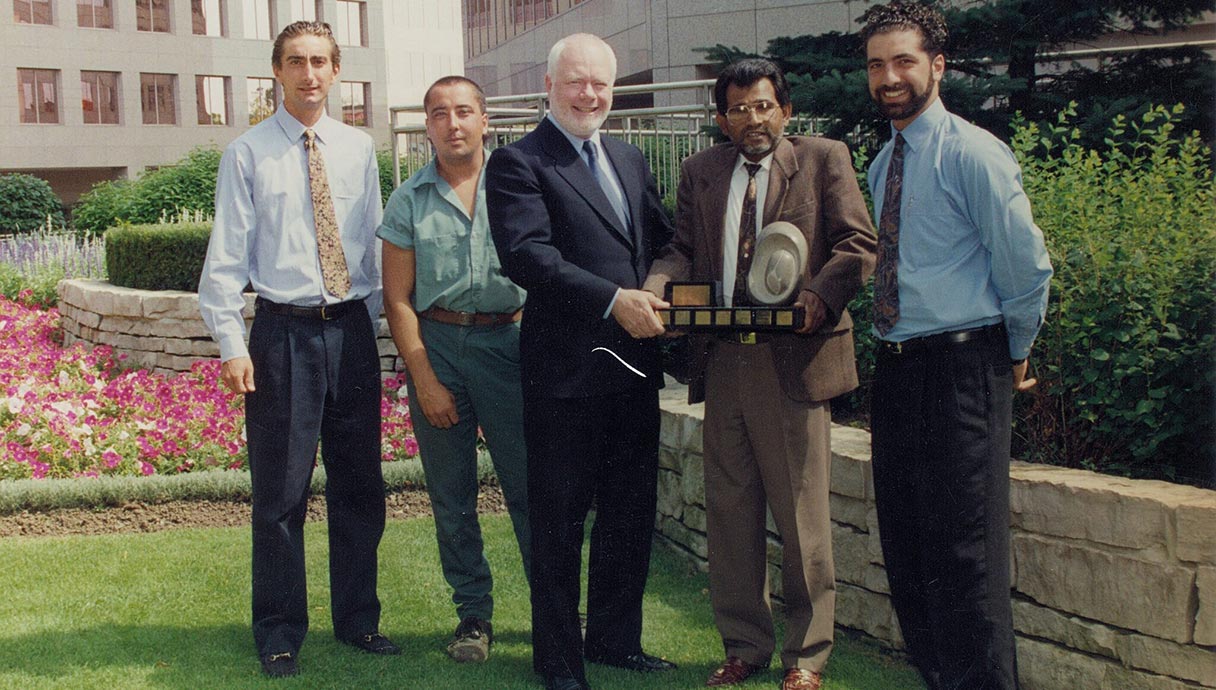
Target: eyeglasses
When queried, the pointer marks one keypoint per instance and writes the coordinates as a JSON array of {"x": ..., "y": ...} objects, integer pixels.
[{"x": 739, "y": 114}]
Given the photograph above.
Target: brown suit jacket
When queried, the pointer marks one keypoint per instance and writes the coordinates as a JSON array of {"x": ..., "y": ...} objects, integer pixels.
[{"x": 812, "y": 185}]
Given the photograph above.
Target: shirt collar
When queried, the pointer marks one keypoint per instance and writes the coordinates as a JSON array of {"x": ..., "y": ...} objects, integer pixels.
[
  {"x": 917, "y": 132},
  {"x": 294, "y": 129},
  {"x": 765, "y": 163},
  {"x": 576, "y": 142},
  {"x": 429, "y": 174}
]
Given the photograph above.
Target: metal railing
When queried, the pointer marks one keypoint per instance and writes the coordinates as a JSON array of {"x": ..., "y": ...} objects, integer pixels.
[{"x": 665, "y": 134}]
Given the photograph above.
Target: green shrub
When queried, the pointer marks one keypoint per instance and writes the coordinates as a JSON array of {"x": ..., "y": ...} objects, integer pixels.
[
  {"x": 26, "y": 202},
  {"x": 1125, "y": 357},
  {"x": 384, "y": 160},
  {"x": 165, "y": 256},
  {"x": 104, "y": 206},
  {"x": 188, "y": 185}
]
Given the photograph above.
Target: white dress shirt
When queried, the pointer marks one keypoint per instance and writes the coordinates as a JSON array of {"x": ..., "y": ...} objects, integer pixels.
[{"x": 734, "y": 209}]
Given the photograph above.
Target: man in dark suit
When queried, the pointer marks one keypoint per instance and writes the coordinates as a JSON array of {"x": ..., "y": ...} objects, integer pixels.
[
  {"x": 576, "y": 219},
  {"x": 767, "y": 396}
]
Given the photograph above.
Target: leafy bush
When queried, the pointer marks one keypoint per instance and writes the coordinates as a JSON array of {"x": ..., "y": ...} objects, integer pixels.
[
  {"x": 188, "y": 185},
  {"x": 26, "y": 203},
  {"x": 165, "y": 256},
  {"x": 105, "y": 205},
  {"x": 1125, "y": 357}
]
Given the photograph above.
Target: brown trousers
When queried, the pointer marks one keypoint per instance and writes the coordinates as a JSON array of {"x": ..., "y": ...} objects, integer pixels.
[{"x": 764, "y": 449}]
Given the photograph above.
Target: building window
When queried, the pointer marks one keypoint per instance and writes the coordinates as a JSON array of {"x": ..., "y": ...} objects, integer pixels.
[
  {"x": 152, "y": 15},
  {"x": 157, "y": 99},
  {"x": 480, "y": 11},
  {"x": 305, "y": 10},
  {"x": 212, "y": 99},
  {"x": 262, "y": 98},
  {"x": 38, "y": 92},
  {"x": 32, "y": 11},
  {"x": 207, "y": 17},
  {"x": 351, "y": 27},
  {"x": 94, "y": 14},
  {"x": 356, "y": 103},
  {"x": 258, "y": 19},
  {"x": 99, "y": 97},
  {"x": 530, "y": 11}
]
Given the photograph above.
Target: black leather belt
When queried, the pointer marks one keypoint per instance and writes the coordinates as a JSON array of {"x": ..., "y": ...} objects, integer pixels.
[
  {"x": 940, "y": 340},
  {"x": 324, "y": 312}
]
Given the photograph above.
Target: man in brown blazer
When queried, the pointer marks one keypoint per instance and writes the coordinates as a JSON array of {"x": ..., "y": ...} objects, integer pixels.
[{"x": 767, "y": 412}]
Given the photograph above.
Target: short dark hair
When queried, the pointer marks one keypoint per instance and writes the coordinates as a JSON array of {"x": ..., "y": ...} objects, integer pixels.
[
  {"x": 295, "y": 29},
  {"x": 744, "y": 73},
  {"x": 900, "y": 15},
  {"x": 453, "y": 80}
]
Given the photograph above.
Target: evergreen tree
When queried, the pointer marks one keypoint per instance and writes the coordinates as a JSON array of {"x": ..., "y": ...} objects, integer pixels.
[{"x": 1000, "y": 61}]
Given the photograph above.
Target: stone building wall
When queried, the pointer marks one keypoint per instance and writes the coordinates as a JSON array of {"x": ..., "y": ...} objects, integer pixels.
[
  {"x": 160, "y": 330},
  {"x": 1114, "y": 579}
]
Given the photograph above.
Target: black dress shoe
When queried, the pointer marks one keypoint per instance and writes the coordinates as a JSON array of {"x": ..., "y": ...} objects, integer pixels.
[
  {"x": 374, "y": 643},
  {"x": 279, "y": 665},
  {"x": 638, "y": 661},
  {"x": 565, "y": 683}
]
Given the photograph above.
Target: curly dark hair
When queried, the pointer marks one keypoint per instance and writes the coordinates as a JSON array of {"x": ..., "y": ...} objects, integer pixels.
[{"x": 900, "y": 15}]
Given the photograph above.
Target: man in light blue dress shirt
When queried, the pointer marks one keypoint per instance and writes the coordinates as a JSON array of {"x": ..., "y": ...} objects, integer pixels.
[
  {"x": 311, "y": 368},
  {"x": 960, "y": 294},
  {"x": 455, "y": 321}
]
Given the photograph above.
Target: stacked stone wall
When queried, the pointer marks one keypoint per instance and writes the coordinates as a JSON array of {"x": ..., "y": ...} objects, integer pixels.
[
  {"x": 1114, "y": 579},
  {"x": 159, "y": 330}
]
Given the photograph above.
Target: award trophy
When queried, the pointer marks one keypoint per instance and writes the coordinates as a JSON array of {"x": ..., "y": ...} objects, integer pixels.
[{"x": 772, "y": 285}]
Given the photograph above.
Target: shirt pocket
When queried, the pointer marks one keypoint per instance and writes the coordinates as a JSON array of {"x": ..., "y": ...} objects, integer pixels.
[
  {"x": 440, "y": 251},
  {"x": 937, "y": 229}
]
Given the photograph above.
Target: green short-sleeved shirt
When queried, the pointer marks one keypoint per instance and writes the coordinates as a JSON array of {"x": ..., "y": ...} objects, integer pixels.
[{"x": 456, "y": 265}]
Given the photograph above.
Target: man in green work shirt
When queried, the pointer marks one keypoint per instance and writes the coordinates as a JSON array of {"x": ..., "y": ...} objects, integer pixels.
[{"x": 455, "y": 321}]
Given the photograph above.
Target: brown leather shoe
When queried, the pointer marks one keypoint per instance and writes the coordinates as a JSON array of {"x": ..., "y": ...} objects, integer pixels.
[
  {"x": 734, "y": 671},
  {"x": 800, "y": 679}
]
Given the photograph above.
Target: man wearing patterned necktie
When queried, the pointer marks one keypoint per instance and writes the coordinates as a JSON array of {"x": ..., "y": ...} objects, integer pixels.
[
  {"x": 959, "y": 296},
  {"x": 296, "y": 210},
  {"x": 767, "y": 396}
]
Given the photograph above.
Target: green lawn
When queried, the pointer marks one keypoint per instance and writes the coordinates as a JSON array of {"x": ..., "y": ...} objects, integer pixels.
[{"x": 171, "y": 610}]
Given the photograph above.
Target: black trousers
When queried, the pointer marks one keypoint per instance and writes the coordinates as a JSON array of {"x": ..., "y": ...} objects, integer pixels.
[
  {"x": 603, "y": 449},
  {"x": 941, "y": 421},
  {"x": 314, "y": 379}
]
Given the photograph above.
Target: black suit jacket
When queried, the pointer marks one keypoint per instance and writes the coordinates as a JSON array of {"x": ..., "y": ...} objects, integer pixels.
[{"x": 558, "y": 238}]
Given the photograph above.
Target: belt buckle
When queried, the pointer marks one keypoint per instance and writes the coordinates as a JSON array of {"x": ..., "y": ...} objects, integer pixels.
[
  {"x": 748, "y": 338},
  {"x": 896, "y": 348},
  {"x": 467, "y": 318},
  {"x": 324, "y": 316}
]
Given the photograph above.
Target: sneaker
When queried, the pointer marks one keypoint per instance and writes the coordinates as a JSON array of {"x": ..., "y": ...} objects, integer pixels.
[{"x": 471, "y": 641}]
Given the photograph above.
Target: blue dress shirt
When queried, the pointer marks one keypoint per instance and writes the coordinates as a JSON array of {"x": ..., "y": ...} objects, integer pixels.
[
  {"x": 264, "y": 233},
  {"x": 970, "y": 254}
]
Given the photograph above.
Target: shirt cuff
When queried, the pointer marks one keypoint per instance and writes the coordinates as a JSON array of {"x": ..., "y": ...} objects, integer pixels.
[
  {"x": 232, "y": 347},
  {"x": 611, "y": 303}
]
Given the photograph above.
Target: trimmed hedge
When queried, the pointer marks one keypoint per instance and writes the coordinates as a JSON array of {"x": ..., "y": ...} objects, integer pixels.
[
  {"x": 26, "y": 202},
  {"x": 168, "y": 256},
  {"x": 211, "y": 485}
]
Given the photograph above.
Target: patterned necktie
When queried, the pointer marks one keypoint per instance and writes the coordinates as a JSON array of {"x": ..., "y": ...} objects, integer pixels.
[
  {"x": 747, "y": 237},
  {"x": 329, "y": 242},
  {"x": 886, "y": 277}
]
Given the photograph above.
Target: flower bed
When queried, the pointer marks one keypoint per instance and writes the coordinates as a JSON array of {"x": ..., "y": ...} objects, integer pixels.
[{"x": 77, "y": 412}]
